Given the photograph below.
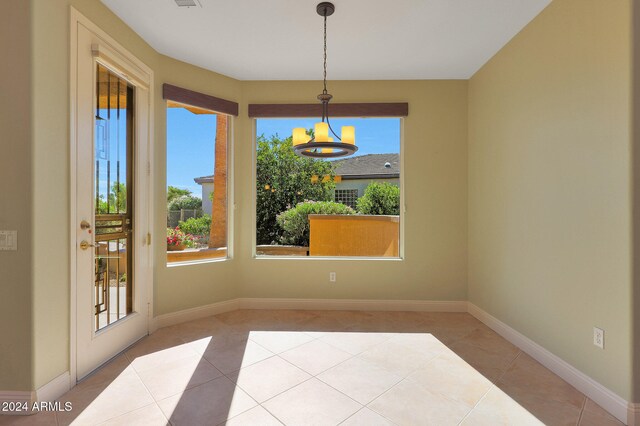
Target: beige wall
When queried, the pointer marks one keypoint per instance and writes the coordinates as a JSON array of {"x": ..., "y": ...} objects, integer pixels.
[
  {"x": 185, "y": 287},
  {"x": 548, "y": 179},
  {"x": 435, "y": 174},
  {"x": 15, "y": 200},
  {"x": 549, "y": 185}
]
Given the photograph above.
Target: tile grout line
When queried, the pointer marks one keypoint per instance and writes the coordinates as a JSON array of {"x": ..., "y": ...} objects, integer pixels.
[
  {"x": 380, "y": 414},
  {"x": 361, "y": 352},
  {"x": 324, "y": 383},
  {"x": 513, "y": 361},
  {"x": 402, "y": 378},
  {"x": 279, "y": 393},
  {"x": 273, "y": 414},
  {"x": 475, "y": 345},
  {"x": 351, "y": 415},
  {"x": 493, "y": 385},
  {"x": 184, "y": 390},
  {"x": 128, "y": 412},
  {"x": 329, "y": 385},
  {"x": 289, "y": 349},
  {"x": 224, "y": 422},
  {"x": 139, "y": 408},
  {"x": 202, "y": 357},
  {"x": 584, "y": 404},
  {"x": 242, "y": 368},
  {"x": 375, "y": 365},
  {"x": 155, "y": 401},
  {"x": 364, "y": 407}
]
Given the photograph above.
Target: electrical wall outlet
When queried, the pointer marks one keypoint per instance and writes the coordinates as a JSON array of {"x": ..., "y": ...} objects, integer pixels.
[
  {"x": 9, "y": 240},
  {"x": 332, "y": 277},
  {"x": 598, "y": 337}
]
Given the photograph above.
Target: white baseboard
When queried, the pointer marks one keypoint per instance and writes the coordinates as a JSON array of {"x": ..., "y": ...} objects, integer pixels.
[
  {"x": 48, "y": 393},
  {"x": 18, "y": 397},
  {"x": 354, "y": 305},
  {"x": 306, "y": 304},
  {"x": 179, "y": 317},
  {"x": 55, "y": 388},
  {"x": 604, "y": 397}
]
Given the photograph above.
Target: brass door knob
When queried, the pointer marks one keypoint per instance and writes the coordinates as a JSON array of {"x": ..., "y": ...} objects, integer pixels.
[
  {"x": 85, "y": 225},
  {"x": 84, "y": 244}
]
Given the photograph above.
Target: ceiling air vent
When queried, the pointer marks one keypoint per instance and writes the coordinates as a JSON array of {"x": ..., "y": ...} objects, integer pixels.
[{"x": 188, "y": 3}]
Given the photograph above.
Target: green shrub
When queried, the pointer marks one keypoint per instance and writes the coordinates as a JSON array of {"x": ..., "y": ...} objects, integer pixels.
[
  {"x": 295, "y": 223},
  {"x": 196, "y": 226},
  {"x": 380, "y": 199},
  {"x": 185, "y": 202}
]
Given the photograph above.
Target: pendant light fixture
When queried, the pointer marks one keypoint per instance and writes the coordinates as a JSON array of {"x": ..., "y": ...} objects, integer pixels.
[{"x": 322, "y": 145}]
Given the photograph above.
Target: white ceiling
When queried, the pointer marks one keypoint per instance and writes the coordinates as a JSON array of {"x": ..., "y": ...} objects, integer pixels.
[{"x": 367, "y": 39}]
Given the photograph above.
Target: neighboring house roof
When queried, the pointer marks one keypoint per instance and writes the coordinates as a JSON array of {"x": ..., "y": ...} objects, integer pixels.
[
  {"x": 370, "y": 166},
  {"x": 204, "y": 179}
]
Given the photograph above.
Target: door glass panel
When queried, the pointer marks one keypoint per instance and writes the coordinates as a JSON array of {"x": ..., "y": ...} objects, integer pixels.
[{"x": 113, "y": 148}]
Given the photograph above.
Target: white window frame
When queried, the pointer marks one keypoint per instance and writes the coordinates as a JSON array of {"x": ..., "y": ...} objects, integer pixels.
[
  {"x": 230, "y": 200},
  {"x": 403, "y": 210}
]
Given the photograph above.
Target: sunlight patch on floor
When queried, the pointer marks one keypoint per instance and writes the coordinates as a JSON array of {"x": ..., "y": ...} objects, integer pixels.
[{"x": 324, "y": 376}]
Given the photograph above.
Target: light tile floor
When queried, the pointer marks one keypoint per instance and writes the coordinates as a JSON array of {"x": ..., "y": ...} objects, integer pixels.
[{"x": 324, "y": 368}]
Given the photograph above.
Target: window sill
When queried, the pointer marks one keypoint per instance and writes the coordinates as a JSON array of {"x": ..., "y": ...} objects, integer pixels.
[
  {"x": 331, "y": 258},
  {"x": 189, "y": 257}
]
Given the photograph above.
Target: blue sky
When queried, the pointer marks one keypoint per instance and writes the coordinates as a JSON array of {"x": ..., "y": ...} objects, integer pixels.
[
  {"x": 373, "y": 135},
  {"x": 190, "y": 148},
  {"x": 191, "y": 141},
  {"x": 111, "y": 147}
]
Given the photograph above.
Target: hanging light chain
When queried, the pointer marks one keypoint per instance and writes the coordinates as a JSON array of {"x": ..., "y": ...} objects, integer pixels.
[
  {"x": 325, "y": 52},
  {"x": 331, "y": 148},
  {"x": 327, "y": 97}
]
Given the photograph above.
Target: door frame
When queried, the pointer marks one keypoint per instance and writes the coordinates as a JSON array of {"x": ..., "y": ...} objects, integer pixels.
[{"x": 111, "y": 52}]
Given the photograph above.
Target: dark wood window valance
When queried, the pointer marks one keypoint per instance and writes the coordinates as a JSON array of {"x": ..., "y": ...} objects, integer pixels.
[
  {"x": 200, "y": 100},
  {"x": 399, "y": 109}
]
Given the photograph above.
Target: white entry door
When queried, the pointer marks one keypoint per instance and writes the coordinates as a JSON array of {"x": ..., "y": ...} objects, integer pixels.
[{"x": 112, "y": 179}]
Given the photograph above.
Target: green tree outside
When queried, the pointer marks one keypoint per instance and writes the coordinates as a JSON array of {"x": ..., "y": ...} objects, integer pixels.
[
  {"x": 284, "y": 179},
  {"x": 116, "y": 200},
  {"x": 175, "y": 192},
  {"x": 185, "y": 202}
]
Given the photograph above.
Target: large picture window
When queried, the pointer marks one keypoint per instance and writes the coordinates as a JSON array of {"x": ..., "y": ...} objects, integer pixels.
[
  {"x": 197, "y": 172},
  {"x": 341, "y": 207}
]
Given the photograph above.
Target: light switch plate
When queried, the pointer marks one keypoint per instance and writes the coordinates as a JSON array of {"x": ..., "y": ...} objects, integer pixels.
[{"x": 9, "y": 240}]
